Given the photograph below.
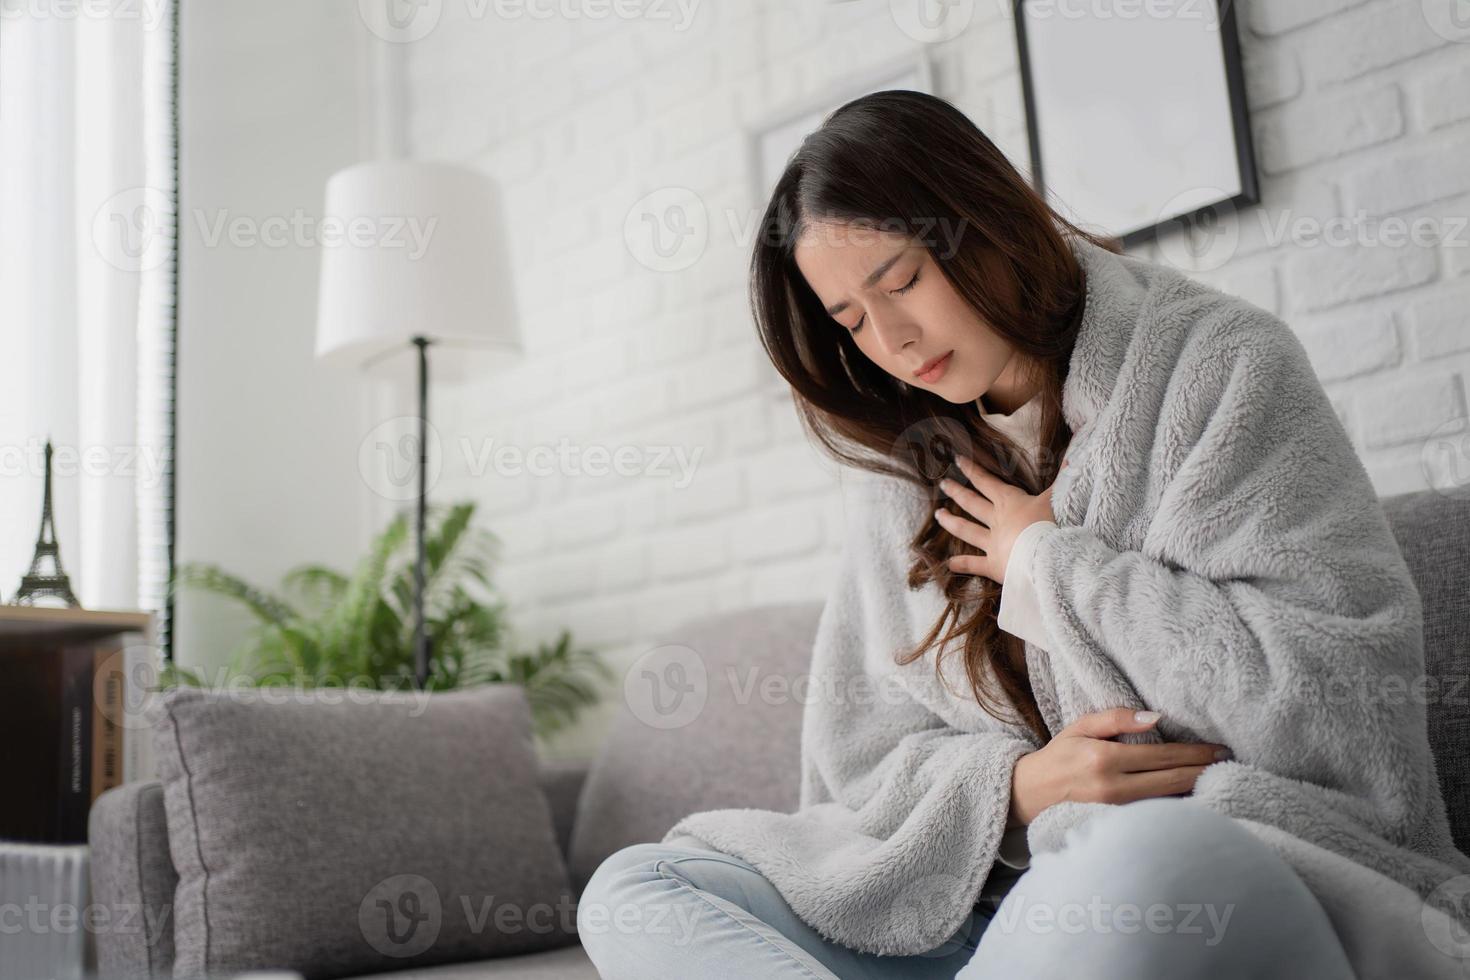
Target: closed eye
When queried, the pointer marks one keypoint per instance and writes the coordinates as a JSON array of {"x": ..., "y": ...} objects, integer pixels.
[{"x": 895, "y": 292}]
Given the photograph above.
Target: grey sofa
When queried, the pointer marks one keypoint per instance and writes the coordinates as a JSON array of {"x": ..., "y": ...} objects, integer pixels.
[{"x": 742, "y": 750}]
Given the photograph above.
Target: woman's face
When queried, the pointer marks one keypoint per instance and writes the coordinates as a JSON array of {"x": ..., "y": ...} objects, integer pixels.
[{"x": 904, "y": 315}]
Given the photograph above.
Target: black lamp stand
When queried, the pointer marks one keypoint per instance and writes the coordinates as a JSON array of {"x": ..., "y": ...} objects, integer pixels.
[{"x": 420, "y": 634}]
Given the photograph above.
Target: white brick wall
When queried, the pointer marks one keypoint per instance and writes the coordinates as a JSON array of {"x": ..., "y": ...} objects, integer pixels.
[{"x": 1355, "y": 104}]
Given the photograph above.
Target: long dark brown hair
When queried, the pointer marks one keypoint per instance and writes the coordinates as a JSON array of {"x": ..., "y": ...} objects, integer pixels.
[{"x": 913, "y": 163}]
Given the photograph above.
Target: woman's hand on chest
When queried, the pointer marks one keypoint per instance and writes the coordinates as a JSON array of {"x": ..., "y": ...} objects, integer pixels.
[{"x": 1000, "y": 512}]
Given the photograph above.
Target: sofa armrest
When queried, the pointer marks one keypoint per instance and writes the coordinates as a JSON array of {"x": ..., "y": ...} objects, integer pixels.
[
  {"x": 133, "y": 878},
  {"x": 561, "y": 781}
]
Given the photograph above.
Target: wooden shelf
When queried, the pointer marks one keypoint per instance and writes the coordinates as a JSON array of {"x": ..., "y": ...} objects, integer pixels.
[{"x": 47, "y": 623}]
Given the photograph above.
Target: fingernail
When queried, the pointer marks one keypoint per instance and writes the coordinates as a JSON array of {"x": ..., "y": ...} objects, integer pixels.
[
  {"x": 1144, "y": 717},
  {"x": 1222, "y": 754}
]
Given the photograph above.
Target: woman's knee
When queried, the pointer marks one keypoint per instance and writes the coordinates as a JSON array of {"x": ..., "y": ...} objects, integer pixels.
[
  {"x": 1158, "y": 835},
  {"x": 610, "y": 882},
  {"x": 1179, "y": 860},
  {"x": 1174, "y": 817},
  {"x": 1162, "y": 886},
  {"x": 625, "y": 899}
]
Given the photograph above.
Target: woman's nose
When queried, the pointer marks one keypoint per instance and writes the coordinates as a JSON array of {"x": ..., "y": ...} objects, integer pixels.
[{"x": 893, "y": 332}]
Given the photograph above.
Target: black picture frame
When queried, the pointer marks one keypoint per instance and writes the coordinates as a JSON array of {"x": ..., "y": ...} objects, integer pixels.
[{"x": 1245, "y": 159}]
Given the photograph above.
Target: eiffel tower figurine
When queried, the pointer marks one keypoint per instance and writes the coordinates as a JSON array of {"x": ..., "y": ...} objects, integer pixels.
[{"x": 36, "y": 584}]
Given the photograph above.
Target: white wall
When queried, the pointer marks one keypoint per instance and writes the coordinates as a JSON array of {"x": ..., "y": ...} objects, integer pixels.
[
  {"x": 267, "y": 441},
  {"x": 1355, "y": 104}
]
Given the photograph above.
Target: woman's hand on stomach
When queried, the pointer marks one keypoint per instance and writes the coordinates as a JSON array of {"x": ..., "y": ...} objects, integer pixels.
[{"x": 1082, "y": 763}]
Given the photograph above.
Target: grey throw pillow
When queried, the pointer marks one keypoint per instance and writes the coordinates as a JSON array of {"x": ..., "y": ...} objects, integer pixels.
[{"x": 335, "y": 832}]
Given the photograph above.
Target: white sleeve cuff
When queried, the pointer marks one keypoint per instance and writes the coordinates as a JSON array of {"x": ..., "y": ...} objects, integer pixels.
[
  {"x": 1020, "y": 613},
  {"x": 1014, "y": 850}
]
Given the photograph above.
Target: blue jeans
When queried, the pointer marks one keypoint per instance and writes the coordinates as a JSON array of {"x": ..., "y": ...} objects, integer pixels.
[{"x": 1158, "y": 887}]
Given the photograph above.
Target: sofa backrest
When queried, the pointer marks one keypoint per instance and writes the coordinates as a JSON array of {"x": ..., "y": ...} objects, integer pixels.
[
  {"x": 709, "y": 719},
  {"x": 1433, "y": 532}
]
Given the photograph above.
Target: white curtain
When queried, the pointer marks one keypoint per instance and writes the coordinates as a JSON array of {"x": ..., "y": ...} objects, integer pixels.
[{"x": 87, "y": 139}]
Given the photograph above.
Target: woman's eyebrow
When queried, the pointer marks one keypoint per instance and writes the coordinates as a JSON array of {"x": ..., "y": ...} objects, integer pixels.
[{"x": 873, "y": 277}]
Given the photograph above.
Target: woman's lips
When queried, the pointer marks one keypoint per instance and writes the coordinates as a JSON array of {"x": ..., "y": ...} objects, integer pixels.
[{"x": 937, "y": 371}]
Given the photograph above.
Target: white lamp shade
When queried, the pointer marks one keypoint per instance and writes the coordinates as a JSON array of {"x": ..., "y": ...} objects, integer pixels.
[{"x": 413, "y": 248}]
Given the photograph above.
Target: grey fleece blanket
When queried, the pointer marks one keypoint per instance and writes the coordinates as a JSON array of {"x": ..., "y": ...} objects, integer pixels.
[{"x": 1221, "y": 557}]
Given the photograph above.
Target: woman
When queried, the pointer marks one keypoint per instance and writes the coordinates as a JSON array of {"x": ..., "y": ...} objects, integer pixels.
[{"x": 1108, "y": 542}]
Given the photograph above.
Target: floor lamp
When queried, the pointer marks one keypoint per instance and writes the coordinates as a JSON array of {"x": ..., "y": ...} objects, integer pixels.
[{"x": 414, "y": 256}]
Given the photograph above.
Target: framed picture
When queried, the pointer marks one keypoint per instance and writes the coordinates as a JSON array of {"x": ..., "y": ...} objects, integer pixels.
[
  {"x": 1135, "y": 114},
  {"x": 772, "y": 141}
]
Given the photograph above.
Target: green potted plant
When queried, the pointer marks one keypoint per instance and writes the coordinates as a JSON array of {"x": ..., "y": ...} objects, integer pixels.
[{"x": 325, "y": 628}]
